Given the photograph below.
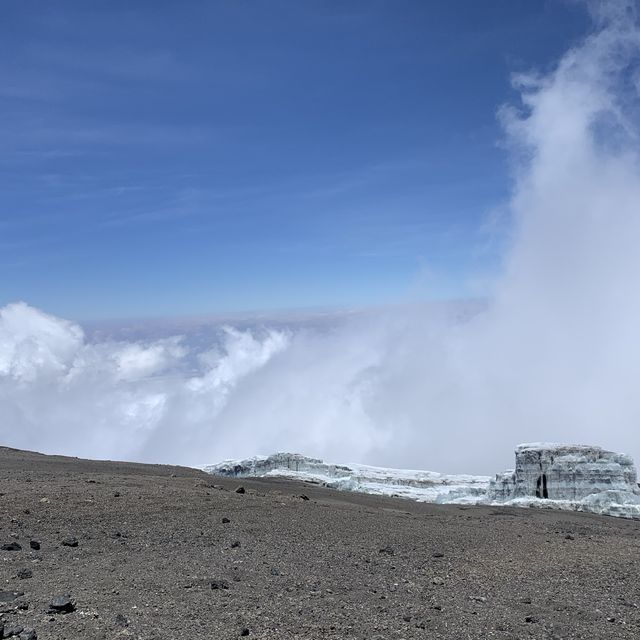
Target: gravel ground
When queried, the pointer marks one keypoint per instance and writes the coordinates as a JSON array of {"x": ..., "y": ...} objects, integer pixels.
[{"x": 157, "y": 559}]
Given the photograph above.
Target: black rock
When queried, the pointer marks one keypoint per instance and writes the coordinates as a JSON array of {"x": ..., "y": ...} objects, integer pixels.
[
  {"x": 61, "y": 604},
  {"x": 240, "y": 490},
  {"x": 245, "y": 632},
  {"x": 23, "y": 574},
  {"x": 235, "y": 544},
  {"x": 303, "y": 497},
  {"x": 12, "y": 630},
  {"x": 11, "y": 546},
  {"x": 219, "y": 584},
  {"x": 70, "y": 542},
  {"x": 531, "y": 619},
  {"x": 437, "y": 554},
  {"x": 225, "y": 521},
  {"x": 35, "y": 545},
  {"x": 28, "y": 634}
]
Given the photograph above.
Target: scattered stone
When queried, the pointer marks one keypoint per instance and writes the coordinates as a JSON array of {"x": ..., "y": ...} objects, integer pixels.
[
  {"x": 61, "y": 604},
  {"x": 235, "y": 544},
  {"x": 24, "y": 574},
  {"x": 240, "y": 490},
  {"x": 406, "y": 618},
  {"x": 225, "y": 521},
  {"x": 531, "y": 619},
  {"x": 274, "y": 571},
  {"x": 35, "y": 545},
  {"x": 569, "y": 537},
  {"x": 303, "y": 497},
  {"x": 11, "y": 546},
  {"x": 437, "y": 554},
  {"x": 219, "y": 584},
  {"x": 477, "y": 598},
  {"x": 116, "y": 494},
  {"x": 44, "y": 500},
  {"x": 387, "y": 550},
  {"x": 245, "y": 632},
  {"x": 438, "y": 580},
  {"x": 70, "y": 542}
]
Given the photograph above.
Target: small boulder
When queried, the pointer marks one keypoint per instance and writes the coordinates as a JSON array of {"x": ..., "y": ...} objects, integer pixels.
[
  {"x": 28, "y": 634},
  {"x": 61, "y": 604},
  {"x": 219, "y": 584},
  {"x": 35, "y": 545},
  {"x": 70, "y": 542},
  {"x": 240, "y": 490},
  {"x": 10, "y": 596},
  {"x": 225, "y": 521},
  {"x": 12, "y": 630},
  {"x": 11, "y": 546}
]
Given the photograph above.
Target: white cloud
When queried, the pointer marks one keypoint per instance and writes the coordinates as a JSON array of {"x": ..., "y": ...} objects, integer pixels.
[{"x": 556, "y": 356}]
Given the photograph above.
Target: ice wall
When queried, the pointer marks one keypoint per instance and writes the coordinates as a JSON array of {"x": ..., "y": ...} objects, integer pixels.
[
  {"x": 564, "y": 472},
  {"x": 554, "y": 476}
]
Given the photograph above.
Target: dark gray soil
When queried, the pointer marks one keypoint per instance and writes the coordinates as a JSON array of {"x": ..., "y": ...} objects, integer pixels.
[{"x": 155, "y": 560}]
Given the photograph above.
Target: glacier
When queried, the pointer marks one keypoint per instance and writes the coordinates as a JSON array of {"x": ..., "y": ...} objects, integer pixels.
[{"x": 546, "y": 475}]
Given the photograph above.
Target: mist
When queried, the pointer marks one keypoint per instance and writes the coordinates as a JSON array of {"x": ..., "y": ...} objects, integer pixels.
[{"x": 554, "y": 356}]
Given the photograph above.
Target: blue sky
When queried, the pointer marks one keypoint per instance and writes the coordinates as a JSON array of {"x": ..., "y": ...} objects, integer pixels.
[{"x": 162, "y": 158}]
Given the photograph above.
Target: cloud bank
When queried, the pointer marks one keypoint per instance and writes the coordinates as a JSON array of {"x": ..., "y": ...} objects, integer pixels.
[{"x": 555, "y": 356}]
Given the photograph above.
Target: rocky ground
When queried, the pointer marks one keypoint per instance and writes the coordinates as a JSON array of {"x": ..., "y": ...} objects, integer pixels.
[{"x": 156, "y": 552}]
